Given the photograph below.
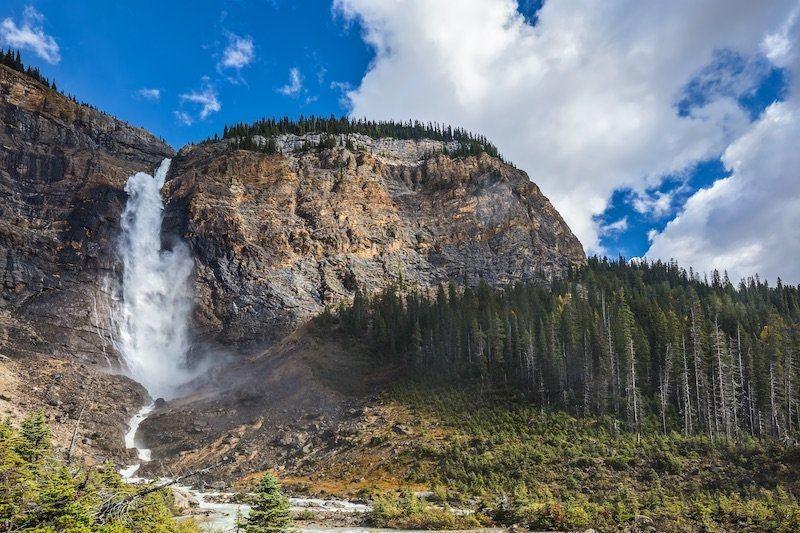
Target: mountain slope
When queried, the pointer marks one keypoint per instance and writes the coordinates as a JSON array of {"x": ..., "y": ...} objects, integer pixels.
[
  {"x": 63, "y": 168},
  {"x": 278, "y": 237},
  {"x": 275, "y": 238}
]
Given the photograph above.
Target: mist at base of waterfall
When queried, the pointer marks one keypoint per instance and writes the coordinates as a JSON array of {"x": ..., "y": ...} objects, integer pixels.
[{"x": 153, "y": 316}]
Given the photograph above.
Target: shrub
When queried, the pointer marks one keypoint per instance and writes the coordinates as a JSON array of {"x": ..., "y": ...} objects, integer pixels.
[
  {"x": 410, "y": 512},
  {"x": 39, "y": 493}
]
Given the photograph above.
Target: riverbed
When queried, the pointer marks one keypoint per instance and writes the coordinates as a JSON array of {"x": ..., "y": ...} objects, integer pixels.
[{"x": 219, "y": 511}]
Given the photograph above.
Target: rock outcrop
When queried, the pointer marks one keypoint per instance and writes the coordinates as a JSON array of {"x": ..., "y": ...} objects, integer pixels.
[
  {"x": 275, "y": 238},
  {"x": 63, "y": 167},
  {"x": 278, "y": 237}
]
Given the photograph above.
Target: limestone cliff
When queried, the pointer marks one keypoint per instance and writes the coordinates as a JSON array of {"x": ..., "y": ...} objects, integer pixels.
[
  {"x": 62, "y": 171},
  {"x": 277, "y": 237}
]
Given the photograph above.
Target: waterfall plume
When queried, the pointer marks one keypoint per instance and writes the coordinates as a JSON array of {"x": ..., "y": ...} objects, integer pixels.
[{"x": 153, "y": 317}]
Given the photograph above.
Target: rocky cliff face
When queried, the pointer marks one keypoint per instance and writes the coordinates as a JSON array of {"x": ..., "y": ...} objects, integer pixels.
[
  {"x": 62, "y": 171},
  {"x": 63, "y": 168},
  {"x": 277, "y": 237}
]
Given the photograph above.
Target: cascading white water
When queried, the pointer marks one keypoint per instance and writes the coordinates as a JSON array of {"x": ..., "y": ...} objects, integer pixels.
[{"x": 152, "y": 319}]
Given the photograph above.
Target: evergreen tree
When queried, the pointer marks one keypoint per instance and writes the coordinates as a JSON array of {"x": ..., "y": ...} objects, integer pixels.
[
  {"x": 13, "y": 60},
  {"x": 40, "y": 493},
  {"x": 34, "y": 441},
  {"x": 269, "y": 508},
  {"x": 649, "y": 343},
  {"x": 457, "y": 141}
]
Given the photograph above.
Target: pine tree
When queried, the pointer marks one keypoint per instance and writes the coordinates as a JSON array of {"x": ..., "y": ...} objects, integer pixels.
[
  {"x": 34, "y": 441},
  {"x": 269, "y": 508},
  {"x": 417, "y": 353},
  {"x": 644, "y": 353}
]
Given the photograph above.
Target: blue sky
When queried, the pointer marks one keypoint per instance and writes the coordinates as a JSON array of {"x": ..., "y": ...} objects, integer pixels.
[
  {"x": 620, "y": 162},
  {"x": 631, "y": 239},
  {"x": 111, "y": 50}
]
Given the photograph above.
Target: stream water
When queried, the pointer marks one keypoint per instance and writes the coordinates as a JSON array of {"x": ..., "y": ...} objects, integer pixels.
[
  {"x": 216, "y": 511},
  {"x": 143, "y": 454}
]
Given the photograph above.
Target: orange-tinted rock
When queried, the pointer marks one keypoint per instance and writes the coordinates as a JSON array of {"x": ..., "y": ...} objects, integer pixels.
[{"x": 277, "y": 237}]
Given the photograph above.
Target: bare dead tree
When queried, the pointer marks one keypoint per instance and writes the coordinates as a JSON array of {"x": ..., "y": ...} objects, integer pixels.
[
  {"x": 751, "y": 404},
  {"x": 788, "y": 387},
  {"x": 588, "y": 375},
  {"x": 737, "y": 382},
  {"x": 615, "y": 379},
  {"x": 721, "y": 399},
  {"x": 663, "y": 389},
  {"x": 114, "y": 507},
  {"x": 687, "y": 396},
  {"x": 702, "y": 411},
  {"x": 75, "y": 432},
  {"x": 773, "y": 401},
  {"x": 633, "y": 393}
]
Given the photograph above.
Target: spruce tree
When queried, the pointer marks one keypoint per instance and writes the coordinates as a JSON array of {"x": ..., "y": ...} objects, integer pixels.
[
  {"x": 269, "y": 508},
  {"x": 34, "y": 442},
  {"x": 650, "y": 343}
]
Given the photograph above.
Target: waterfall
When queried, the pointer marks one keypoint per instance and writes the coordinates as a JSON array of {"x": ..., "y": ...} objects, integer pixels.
[{"x": 152, "y": 319}]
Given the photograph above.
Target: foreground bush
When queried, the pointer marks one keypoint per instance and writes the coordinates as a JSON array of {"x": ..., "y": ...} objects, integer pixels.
[
  {"x": 549, "y": 470},
  {"x": 411, "y": 512},
  {"x": 40, "y": 493}
]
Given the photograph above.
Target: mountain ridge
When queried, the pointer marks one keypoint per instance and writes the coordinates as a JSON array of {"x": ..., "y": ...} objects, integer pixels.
[
  {"x": 276, "y": 238},
  {"x": 338, "y": 219}
]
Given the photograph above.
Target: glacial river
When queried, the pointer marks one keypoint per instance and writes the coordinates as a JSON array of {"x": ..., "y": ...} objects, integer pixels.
[{"x": 216, "y": 511}]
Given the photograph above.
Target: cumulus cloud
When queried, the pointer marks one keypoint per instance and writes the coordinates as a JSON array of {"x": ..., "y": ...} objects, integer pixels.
[
  {"x": 657, "y": 204},
  {"x": 777, "y": 46},
  {"x": 184, "y": 118},
  {"x": 615, "y": 227},
  {"x": 295, "y": 84},
  {"x": 748, "y": 222},
  {"x": 586, "y": 100},
  {"x": 30, "y": 35},
  {"x": 149, "y": 93},
  {"x": 205, "y": 100},
  {"x": 239, "y": 53}
]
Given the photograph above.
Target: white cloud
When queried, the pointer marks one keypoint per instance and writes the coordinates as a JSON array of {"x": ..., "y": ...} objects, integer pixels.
[
  {"x": 777, "y": 46},
  {"x": 585, "y": 101},
  {"x": 30, "y": 35},
  {"x": 619, "y": 226},
  {"x": 748, "y": 222},
  {"x": 656, "y": 204},
  {"x": 239, "y": 53},
  {"x": 149, "y": 94},
  {"x": 205, "y": 99},
  {"x": 184, "y": 118},
  {"x": 295, "y": 84},
  {"x": 343, "y": 88}
]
